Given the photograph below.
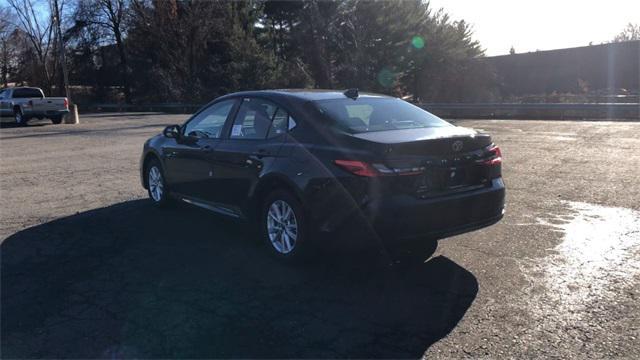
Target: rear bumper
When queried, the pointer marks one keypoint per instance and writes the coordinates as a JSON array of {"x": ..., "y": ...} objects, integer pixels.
[
  {"x": 406, "y": 216},
  {"x": 401, "y": 217},
  {"x": 47, "y": 113},
  {"x": 453, "y": 230}
]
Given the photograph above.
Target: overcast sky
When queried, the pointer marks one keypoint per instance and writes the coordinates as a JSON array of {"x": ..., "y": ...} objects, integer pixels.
[{"x": 542, "y": 24}]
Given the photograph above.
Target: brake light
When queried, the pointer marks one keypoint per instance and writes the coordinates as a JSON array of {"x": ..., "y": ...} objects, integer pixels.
[
  {"x": 362, "y": 168},
  {"x": 359, "y": 168},
  {"x": 496, "y": 150},
  {"x": 496, "y": 156},
  {"x": 66, "y": 103}
]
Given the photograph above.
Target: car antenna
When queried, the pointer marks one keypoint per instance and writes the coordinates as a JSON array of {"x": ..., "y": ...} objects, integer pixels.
[{"x": 351, "y": 93}]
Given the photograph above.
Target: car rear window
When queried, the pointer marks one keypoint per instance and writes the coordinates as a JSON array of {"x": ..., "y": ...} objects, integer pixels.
[
  {"x": 377, "y": 114},
  {"x": 27, "y": 93}
]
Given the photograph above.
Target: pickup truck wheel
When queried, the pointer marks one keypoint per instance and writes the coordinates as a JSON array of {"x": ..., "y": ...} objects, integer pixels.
[
  {"x": 19, "y": 117},
  {"x": 56, "y": 120}
]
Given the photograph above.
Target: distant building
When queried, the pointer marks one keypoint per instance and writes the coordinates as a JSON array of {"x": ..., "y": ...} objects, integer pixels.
[{"x": 613, "y": 68}]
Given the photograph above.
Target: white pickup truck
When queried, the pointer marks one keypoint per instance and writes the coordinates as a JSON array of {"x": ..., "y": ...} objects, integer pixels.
[{"x": 24, "y": 103}]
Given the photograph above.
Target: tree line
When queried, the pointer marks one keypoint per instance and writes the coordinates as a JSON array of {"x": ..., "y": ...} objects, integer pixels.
[{"x": 146, "y": 51}]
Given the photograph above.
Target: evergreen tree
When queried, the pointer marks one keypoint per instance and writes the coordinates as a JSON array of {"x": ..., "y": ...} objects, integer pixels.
[{"x": 192, "y": 50}]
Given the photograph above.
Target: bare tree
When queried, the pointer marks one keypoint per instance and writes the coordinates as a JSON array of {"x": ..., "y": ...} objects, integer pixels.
[
  {"x": 39, "y": 31},
  {"x": 109, "y": 15},
  {"x": 630, "y": 32},
  {"x": 6, "y": 29}
]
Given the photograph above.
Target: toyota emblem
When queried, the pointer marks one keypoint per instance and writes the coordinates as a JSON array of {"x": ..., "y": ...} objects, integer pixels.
[{"x": 457, "y": 145}]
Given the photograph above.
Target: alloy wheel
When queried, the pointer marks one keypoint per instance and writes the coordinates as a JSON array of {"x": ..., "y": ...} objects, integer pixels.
[
  {"x": 282, "y": 226},
  {"x": 156, "y": 185}
]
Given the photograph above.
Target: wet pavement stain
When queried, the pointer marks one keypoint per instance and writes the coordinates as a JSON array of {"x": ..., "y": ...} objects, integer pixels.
[
  {"x": 579, "y": 294},
  {"x": 598, "y": 257}
]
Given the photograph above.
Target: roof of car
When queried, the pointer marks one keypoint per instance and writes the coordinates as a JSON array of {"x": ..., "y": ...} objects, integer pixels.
[
  {"x": 305, "y": 94},
  {"x": 19, "y": 87}
]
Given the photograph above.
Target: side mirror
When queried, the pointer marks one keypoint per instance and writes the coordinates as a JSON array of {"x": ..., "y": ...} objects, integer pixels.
[{"x": 172, "y": 131}]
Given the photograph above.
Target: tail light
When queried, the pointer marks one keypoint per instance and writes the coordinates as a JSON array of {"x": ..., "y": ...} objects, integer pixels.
[
  {"x": 359, "y": 168},
  {"x": 362, "y": 168},
  {"x": 66, "y": 103},
  {"x": 494, "y": 162},
  {"x": 496, "y": 156}
]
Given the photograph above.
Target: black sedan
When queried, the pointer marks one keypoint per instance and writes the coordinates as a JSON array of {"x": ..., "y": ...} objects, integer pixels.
[{"x": 301, "y": 162}]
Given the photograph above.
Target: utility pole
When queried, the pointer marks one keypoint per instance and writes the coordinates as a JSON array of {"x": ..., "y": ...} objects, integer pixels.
[
  {"x": 55, "y": 12},
  {"x": 72, "y": 117}
]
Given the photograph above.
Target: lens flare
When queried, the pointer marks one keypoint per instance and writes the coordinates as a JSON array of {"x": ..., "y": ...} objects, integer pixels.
[
  {"x": 386, "y": 77},
  {"x": 417, "y": 42}
]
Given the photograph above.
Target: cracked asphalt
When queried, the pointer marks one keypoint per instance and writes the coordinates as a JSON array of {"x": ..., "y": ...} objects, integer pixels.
[{"x": 89, "y": 269}]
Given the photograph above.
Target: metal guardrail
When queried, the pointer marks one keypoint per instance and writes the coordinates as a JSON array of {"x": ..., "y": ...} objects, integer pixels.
[
  {"x": 176, "y": 108},
  {"x": 601, "y": 111}
]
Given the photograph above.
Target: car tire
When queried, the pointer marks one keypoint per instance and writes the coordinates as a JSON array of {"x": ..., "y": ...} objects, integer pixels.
[
  {"x": 19, "y": 117},
  {"x": 56, "y": 120},
  {"x": 284, "y": 226},
  {"x": 156, "y": 185}
]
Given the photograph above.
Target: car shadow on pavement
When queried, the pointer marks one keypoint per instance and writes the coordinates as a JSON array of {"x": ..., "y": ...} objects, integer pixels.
[
  {"x": 12, "y": 124},
  {"x": 131, "y": 280}
]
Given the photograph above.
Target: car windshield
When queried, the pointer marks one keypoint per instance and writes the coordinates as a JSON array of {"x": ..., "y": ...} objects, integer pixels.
[{"x": 377, "y": 114}]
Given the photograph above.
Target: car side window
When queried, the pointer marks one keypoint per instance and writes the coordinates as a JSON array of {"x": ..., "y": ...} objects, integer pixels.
[
  {"x": 292, "y": 123},
  {"x": 210, "y": 122},
  {"x": 25, "y": 93},
  {"x": 254, "y": 119},
  {"x": 279, "y": 123}
]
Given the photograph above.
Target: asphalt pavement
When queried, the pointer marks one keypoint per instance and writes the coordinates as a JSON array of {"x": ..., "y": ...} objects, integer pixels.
[{"x": 89, "y": 269}]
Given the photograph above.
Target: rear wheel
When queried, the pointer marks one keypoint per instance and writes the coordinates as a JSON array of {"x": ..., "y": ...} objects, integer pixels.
[
  {"x": 56, "y": 119},
  {"x": 156, "y": 185},
  {"x": 284, "y": 226},
  {"x": 19, "y": 117}
]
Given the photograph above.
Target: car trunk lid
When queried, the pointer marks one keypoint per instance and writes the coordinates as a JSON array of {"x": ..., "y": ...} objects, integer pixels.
[
  {"x": 431, "y": 161},
  {"x": 434, "y": 141}
]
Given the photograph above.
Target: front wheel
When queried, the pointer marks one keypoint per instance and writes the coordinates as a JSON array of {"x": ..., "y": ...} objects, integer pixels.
[
  {"x": 284, "y": 226},
  {"x": 156, "y": 185}
]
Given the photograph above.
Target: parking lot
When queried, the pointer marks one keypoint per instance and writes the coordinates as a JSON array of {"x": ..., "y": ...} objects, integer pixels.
[{"x": 90, "y": 269}]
